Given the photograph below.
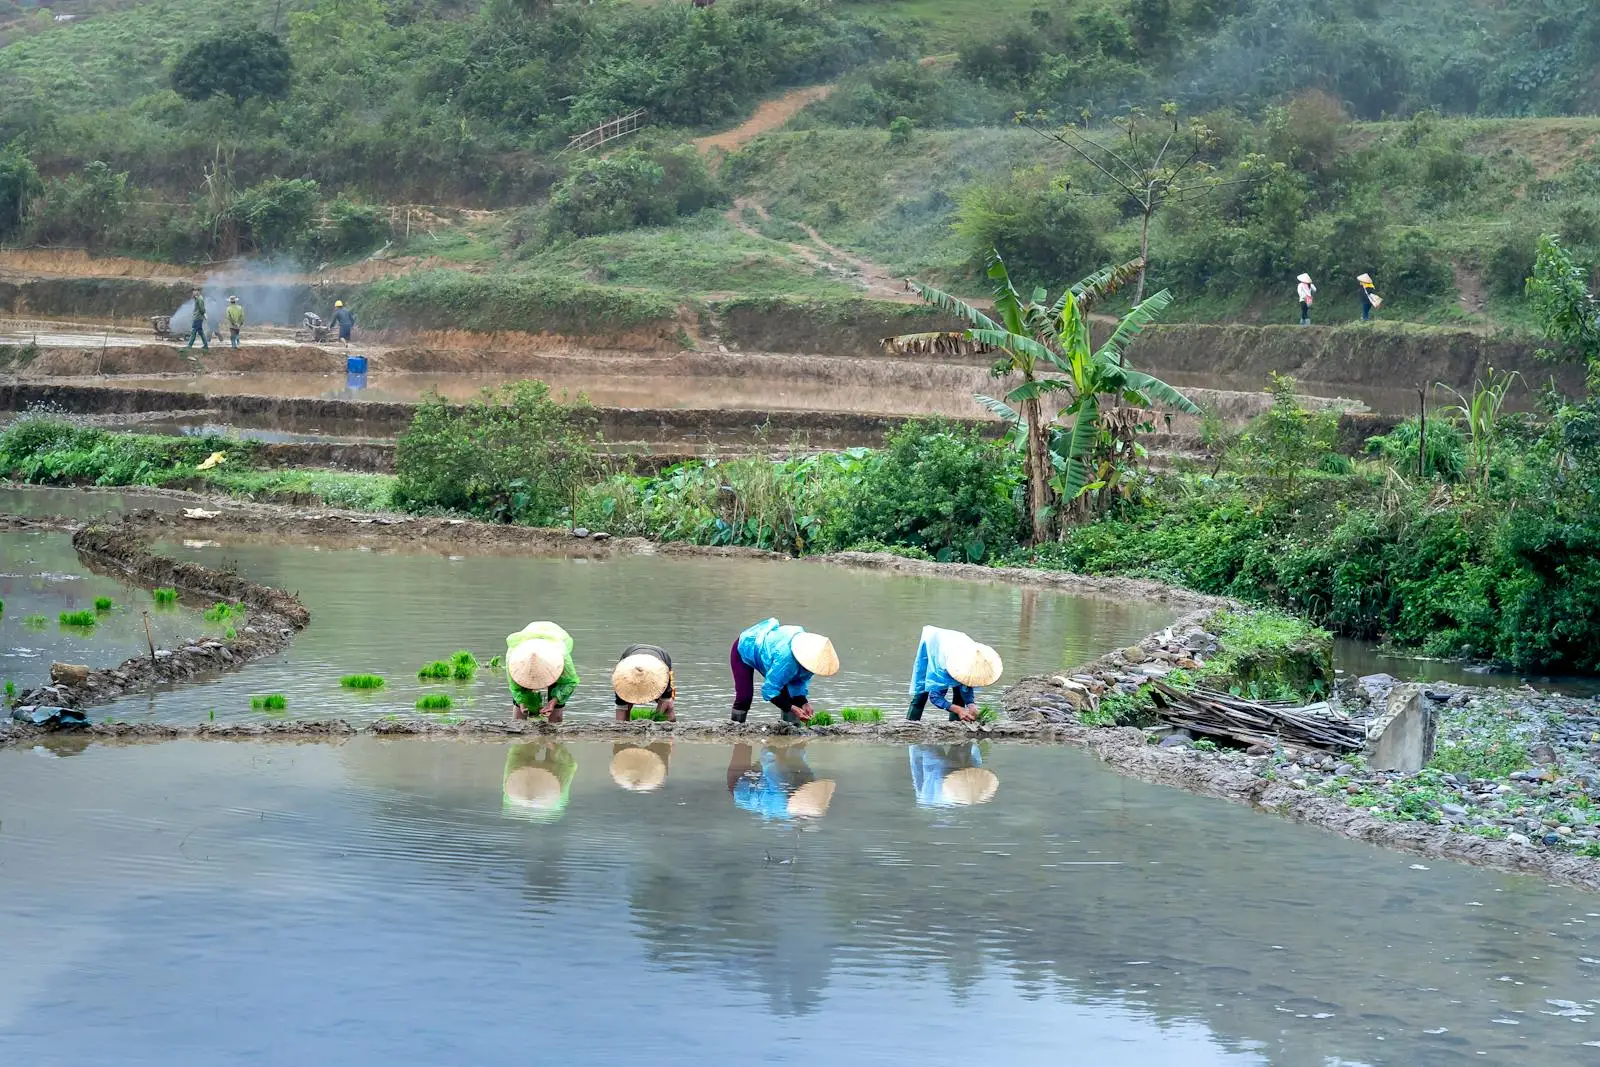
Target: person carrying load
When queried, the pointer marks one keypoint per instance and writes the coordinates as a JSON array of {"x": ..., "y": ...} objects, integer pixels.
[
  {"x": 949, "y": 669},
  {"x": 787, "y": 657},
  {"x": 1370, "y": 300},
  {"x": 235, "y": 317},
  {"x": 539, "y": 668},
  {"x": 644, "y": 676}
]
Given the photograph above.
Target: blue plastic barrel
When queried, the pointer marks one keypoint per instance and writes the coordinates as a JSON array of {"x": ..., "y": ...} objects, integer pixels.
[
  {"x": 356, "y": 364},
  {"x": 355, "y": 381}
]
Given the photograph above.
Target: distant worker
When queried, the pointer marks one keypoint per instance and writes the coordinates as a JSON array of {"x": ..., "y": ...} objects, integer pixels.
[
  {"x": 949, "y": 669},
  {"x": 644, "y": 676},
  {"x": 235, "y": 317},
  {"x": 343, "y": 319},
  {"x": 787, "y": 658},
  {"x": 1370, "y": 300},
  {"x": 197, "y": 328},
  {"x": 539, "y": 670},
  {"x": 1307, "y": 293}
]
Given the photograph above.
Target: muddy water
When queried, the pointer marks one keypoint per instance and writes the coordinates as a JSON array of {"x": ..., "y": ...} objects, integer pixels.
[
  {"x": 382, "y": 903},
  {"x": 83, "y": 503},
  {"x": 41, "y": 577},
  {"x": 389, "y": 614}
]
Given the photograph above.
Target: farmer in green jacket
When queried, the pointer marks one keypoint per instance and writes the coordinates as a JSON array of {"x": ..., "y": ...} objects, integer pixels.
[
  {"x": 235, "y": 317},
  {"x": 197, "y": 325},
  {"x": 539, "y": 668}
]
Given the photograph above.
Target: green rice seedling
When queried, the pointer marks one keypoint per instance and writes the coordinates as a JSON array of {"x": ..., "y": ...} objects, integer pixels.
[
  {"x": 496, "y": 662},
  {"x": 230, "y": 633},
  {"x": 987, "y": 715},
  {"x": 11, "y": 689},
  {"x": 861, "y": 714},
  {"x": 650, "y": 714},
  {"x": 103, "y": 604},
  {"x": 434, "y": 702},
  {"x": 463, "y": 666},
  {"x": 35, "y": 622},
  {"x": 821, "y": 718},
  {"x": 2, "y": 605},
  {"x": 165, "y": 595},
  {"x": 362, "y": 681},
  {"x": 212, "y": 715},
  {"x": 270, "y": 702},
  {"x": 220, "y": 612},
  {"x": 434, "y": 671},
  {"x": 82, "y": 619}
]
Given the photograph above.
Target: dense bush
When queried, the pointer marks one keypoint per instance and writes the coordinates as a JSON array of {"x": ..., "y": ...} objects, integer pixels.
[
  {"x": 277, "y": 214},
  {"x": 238, "y": 63},
  {"x": 81, "y": 209},
  {"x": 19, "y": 184},
  {"x": 1040, "y": 226},
  {"x": 633, "y": 188},
  {"x": 515, "y": 455}
]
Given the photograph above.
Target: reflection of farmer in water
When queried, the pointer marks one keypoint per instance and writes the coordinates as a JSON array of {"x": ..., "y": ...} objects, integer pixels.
[
  {"x": 951, "y": 775},
  {"x": 538, "y": 781},
  {"x": 640, "y": 768},
  {"x": 778, "y": 785}
]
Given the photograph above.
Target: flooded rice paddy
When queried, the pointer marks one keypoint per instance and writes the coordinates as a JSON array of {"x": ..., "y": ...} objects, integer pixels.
[{"x": 387, "y": 903}]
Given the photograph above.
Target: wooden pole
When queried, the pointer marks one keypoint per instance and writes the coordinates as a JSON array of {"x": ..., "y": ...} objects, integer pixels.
[{"x": 149, "y": 639}]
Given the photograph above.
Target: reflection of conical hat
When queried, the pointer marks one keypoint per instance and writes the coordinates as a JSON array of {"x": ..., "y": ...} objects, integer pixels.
[
  {"x": 973, "y": 664},
  {"x": 811, "y": 800},
  {"x": 970, "y": 785},
  {"x": 640, "y": 678},
  {"x": 536, "y": 663},
  {"x": 1304, "y": 278},
  {"x": 1364, "y": 279},
  {"x": 815, "y": 653},
  {"x": 638, "y": 770},
  {"x": 533, "y": 787}
]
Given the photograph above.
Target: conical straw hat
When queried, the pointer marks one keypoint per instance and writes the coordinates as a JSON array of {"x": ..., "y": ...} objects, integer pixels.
[
  {"x": 974, "y": 664},
  {"x": 811, "y": 800},
  {"x": 533, "y": 787},
  {"x": 535, "y": 664},
  {"x": 1304, "y": 278},
  {"x": 638, "y": 770},
  {"x": 815, "y": 654},
  {"x": 1364, "y": 279},
  {"x": 970, "y": 785},
  {"x": 640, "y": 678}
]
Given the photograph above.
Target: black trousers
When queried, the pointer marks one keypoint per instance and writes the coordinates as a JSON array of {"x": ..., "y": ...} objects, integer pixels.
[{"x": 919, "y": 702}]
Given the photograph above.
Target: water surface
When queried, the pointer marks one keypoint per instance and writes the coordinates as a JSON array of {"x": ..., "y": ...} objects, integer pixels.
[{"x": 380, "y": 903}]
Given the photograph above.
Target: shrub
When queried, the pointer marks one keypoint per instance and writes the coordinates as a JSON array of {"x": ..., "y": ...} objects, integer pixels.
[
  {"x": 19, "y": 184},
  {"x": 603, "y": 194},
  {"x": 81, "y": 209},
  {"x": 279, "y": 213},
  {"x": 237, "y": 63},
  {"x": 361, "y": 681},
  {"x": 515, "y": 455},
  {"x": 1038, "y": 224},
  {"x": 350, "y": 228}
]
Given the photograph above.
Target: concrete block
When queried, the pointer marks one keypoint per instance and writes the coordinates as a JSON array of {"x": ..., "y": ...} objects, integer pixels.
[{"x": 1401, "y": 738}]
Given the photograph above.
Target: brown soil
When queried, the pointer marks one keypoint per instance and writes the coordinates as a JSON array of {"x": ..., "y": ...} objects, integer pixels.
[
  {"x": 770, "y": 115},
  {"x": 25, "y": 263},
  {"x": 143, "y": 360}
]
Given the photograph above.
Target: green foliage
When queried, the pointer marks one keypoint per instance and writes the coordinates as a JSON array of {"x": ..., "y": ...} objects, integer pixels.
[
  {"x": 270, "y": 702},
  {"x": 865, "y": 714},
  {"x": 81, "y": 209},
  {"x": 1204, "y": 744},
  {"x": 987, "y": 715},
  {"x": 1562, "y": 304},
  {"x": 1117, "y": 708},
  {"x": 434, "y": 702},
  {"x": 463, "y": 666},
  {"x": 1490, "y": 750},
  {"x": 536, "y": 302},
  {"x": 514, "y": 455},
  {"x": 1267, "y": 655},
  {"x": 80, "y": 619},
  {"x": 164, "y": 595},
  {"x": 649, "y": 714},
  {"x": 103, "y": 604},
  {"x": 1037, "y": 222},
  {"x": 435, "y": 671},
  {"x": 361, "y": 681},
  {"x": 222, "y": 612},
  {"x": 277, "y": 214},
  {"x": 1287, "y": 439},
  {"x": 237, "y": 63},
  {"x": 1447, "y": 453},
  {"x": 821, "y": 718},
  {"x": 633, "y": 188},
  {"x": 35, "y": 622},
  {"x": 19, "y": 184}
]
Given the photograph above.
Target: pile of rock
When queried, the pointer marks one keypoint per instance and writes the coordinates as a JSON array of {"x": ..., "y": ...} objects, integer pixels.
[{"x": 1184, "y": 646}]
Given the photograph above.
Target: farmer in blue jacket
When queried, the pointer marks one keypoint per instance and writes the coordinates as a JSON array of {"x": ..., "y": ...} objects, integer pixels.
[
  {"x": 949, "y": 669},
  {"x": 787, "y": 657}
]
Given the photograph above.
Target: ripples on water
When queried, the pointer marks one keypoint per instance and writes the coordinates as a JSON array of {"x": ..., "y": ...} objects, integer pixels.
[{"x": 380, "y": 902}]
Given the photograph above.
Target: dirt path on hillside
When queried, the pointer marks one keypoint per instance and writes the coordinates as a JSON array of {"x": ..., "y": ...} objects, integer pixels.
[{"x": 769, "y": 116}]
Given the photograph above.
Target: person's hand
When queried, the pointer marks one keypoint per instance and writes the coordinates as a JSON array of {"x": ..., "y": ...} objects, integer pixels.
[
  {"x": 803, "y": 712},
  {"x": 669, "y": 708},
  {"x": 555, "y": 713},
  {"x": 966, "y": 713}
]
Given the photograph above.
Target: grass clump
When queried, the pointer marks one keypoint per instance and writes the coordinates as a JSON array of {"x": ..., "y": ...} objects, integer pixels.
[
  {"x": 1490, "y": 749},
  {"x": 1120, "y": 709},
  {"x": 821, "y": 718},
  {"x": 861, "y": 714},
  {"x": 269, "y": 702},
  {"x": 463, "y": 666},
  {"x": 362, "y": 681},
  {"x": 434, "y": 702},
  {"x": 987, "y": 715},
  {"x": 103, "y": 604},
  {"x": 165, "y": 595},
  {"x": 82, "y": 619},
  {"x": 646, "y": 715},
  {"x": 435, "y": 671}
]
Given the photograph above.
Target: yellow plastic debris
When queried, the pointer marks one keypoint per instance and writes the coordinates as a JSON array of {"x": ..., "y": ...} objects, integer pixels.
[{"x": 212, "y": 460}]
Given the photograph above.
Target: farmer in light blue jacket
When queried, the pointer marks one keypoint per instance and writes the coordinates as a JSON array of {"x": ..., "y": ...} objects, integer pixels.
[
  {"x": 950, "y": 667},
  {"x": 787, "y": 657}
]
